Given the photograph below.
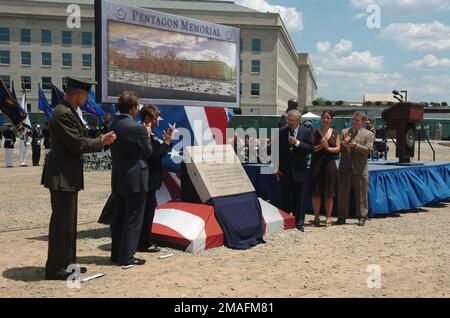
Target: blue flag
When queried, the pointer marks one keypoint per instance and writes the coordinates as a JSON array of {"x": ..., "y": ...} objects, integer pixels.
[
  {"x": 43, "y": 104},
  {"x": 111, "y": 110},
  {"x": 10, "y": 107},
  {"x": 57, "y": 96},
  {"x": 93, "y": 108}
]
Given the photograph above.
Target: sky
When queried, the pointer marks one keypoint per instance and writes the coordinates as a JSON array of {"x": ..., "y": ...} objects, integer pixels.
[
  {"x": 130, "y": 38},
  {"x": 354, "y": 50}
]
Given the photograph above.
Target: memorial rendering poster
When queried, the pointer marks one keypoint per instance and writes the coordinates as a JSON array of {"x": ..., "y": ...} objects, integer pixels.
[{"x": 166, "y": 59}]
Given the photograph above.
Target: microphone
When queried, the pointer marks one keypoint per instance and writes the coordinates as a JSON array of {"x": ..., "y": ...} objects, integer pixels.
[{"x": 291, "y": 134}]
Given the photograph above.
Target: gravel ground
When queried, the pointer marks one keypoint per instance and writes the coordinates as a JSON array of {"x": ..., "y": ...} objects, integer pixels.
[{"x": 412, "y": 250}]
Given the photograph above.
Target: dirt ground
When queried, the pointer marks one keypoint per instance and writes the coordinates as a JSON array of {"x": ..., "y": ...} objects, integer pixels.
[{"x": 411, "y": 249}]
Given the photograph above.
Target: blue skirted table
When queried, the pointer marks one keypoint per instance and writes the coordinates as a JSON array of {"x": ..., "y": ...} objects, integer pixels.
[{"x": 391, "y": 188}]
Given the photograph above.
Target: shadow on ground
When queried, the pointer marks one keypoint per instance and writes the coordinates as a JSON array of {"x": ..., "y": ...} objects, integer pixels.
[
  {"x": 88, "y": 234},
  {"x": 25, "y": 274}
]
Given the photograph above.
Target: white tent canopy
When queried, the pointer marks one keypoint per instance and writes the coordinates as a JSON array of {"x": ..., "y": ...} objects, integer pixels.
[{"x": 310, "y": 116}]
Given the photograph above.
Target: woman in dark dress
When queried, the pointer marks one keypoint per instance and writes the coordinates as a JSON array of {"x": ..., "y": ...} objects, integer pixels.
[{"x": 324, "y": 173}]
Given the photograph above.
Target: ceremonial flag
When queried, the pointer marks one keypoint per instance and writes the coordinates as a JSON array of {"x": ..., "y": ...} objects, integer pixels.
[
  {"x": 13, "y": 91},
  {"x": 43, "y": 104},
  {"x": 93, "y": 108},
  {"x": 23, "y": 104},
  {"x": 57, "y": 96},
  {"x": 186, "y": 117},
  {"x": 110, "y": 109},
  {"x": 10, "y": 107}
]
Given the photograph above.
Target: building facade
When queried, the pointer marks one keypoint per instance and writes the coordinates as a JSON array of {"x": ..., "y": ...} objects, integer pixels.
[
  {"x": 307, "y": 85},
  {"x": 37, "y": 46}
]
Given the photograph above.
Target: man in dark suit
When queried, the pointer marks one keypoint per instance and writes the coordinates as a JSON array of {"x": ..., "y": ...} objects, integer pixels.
[
  {"x": 295, "y": 145},
  {"x": 130, "y": 173},
  {"x": 63, "y": 176},
  {"x": 149, "y": 118}
]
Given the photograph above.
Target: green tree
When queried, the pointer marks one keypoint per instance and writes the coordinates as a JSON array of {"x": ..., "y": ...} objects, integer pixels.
[
  {"x": 320, "y": 101},
  {"x": 305, "y": 110}
]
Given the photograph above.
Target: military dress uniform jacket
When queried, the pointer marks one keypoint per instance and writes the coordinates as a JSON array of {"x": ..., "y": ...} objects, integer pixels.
[
  {"x": 10, "y": 138},
  {"x": 63, "y": 170}
]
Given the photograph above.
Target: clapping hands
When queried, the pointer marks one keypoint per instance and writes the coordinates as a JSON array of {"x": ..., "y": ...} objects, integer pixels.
[
  {"x": 325, "y": 143},
  {"x": 348, "y": 141},
  {"x": 108, "y": 138},
  {"x": 167, "y": 135}
]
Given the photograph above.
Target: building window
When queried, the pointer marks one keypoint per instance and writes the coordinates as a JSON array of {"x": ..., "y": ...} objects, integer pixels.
[
  {"x": 46, "y": 58},
  {"x": 26, "y": 82},
  {"x": 67, "y": 59},
  {"x": 241, "y": 44},
  {"x": 25, "y": 58},
  {"x": 6, "y": 79},
  {"x": 46, "y": 36},
  {"x": 256, "y": 45},
  {"x": 46, "y": 83},
  {"x": 25, "y": 35},
  {"x": 240, "y": 89},
  {"x": 4, "y": 34},
  {"x": 256, "y": 66},
  {"x": 28, "y": 108},
  {"x": 86, "y": 60},
  {"x": 86, "y": 38},
  {"x": 240, "y": 66},
  {"x": 255, "y": 89},
  {"x": 66, "y": 37},
  {"x": 4, "y": 57}
]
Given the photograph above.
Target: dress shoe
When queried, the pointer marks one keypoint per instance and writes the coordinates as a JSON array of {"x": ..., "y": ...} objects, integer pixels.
[
  {"x": 301, "y": 228},
  {"x": 83, "y": 270},
  {"x": 362, "y": 222},
  {"x": 340, "y": 221},
  {"x": 151, "y": 249},
  {"x": 57, "y": 276},
  {"x": 63, "y": 275},
  {"x": 134, "y": 261}
]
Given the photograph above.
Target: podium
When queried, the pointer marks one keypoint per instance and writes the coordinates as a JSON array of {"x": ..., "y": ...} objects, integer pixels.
[{"x": 403, "y": 118}]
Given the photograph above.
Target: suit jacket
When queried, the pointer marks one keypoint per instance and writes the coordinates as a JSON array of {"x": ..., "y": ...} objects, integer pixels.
[
  {"x": 46, "y": 135},
  {"x": 63, "y": 169},
  {"x": 155, "y": 162},
  {"x": 130, "y": 154},
  {"x": 295, "y": 163},
  {"x": 355, "y": 160}
]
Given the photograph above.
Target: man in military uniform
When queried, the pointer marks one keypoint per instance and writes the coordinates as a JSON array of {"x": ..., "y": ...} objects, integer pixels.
[
  {"x": 63, "y": 176},
  {"x": 10, "y": 139},
  {"x": 36, "y": 136},
  {"x": 24, "y": 143}
]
